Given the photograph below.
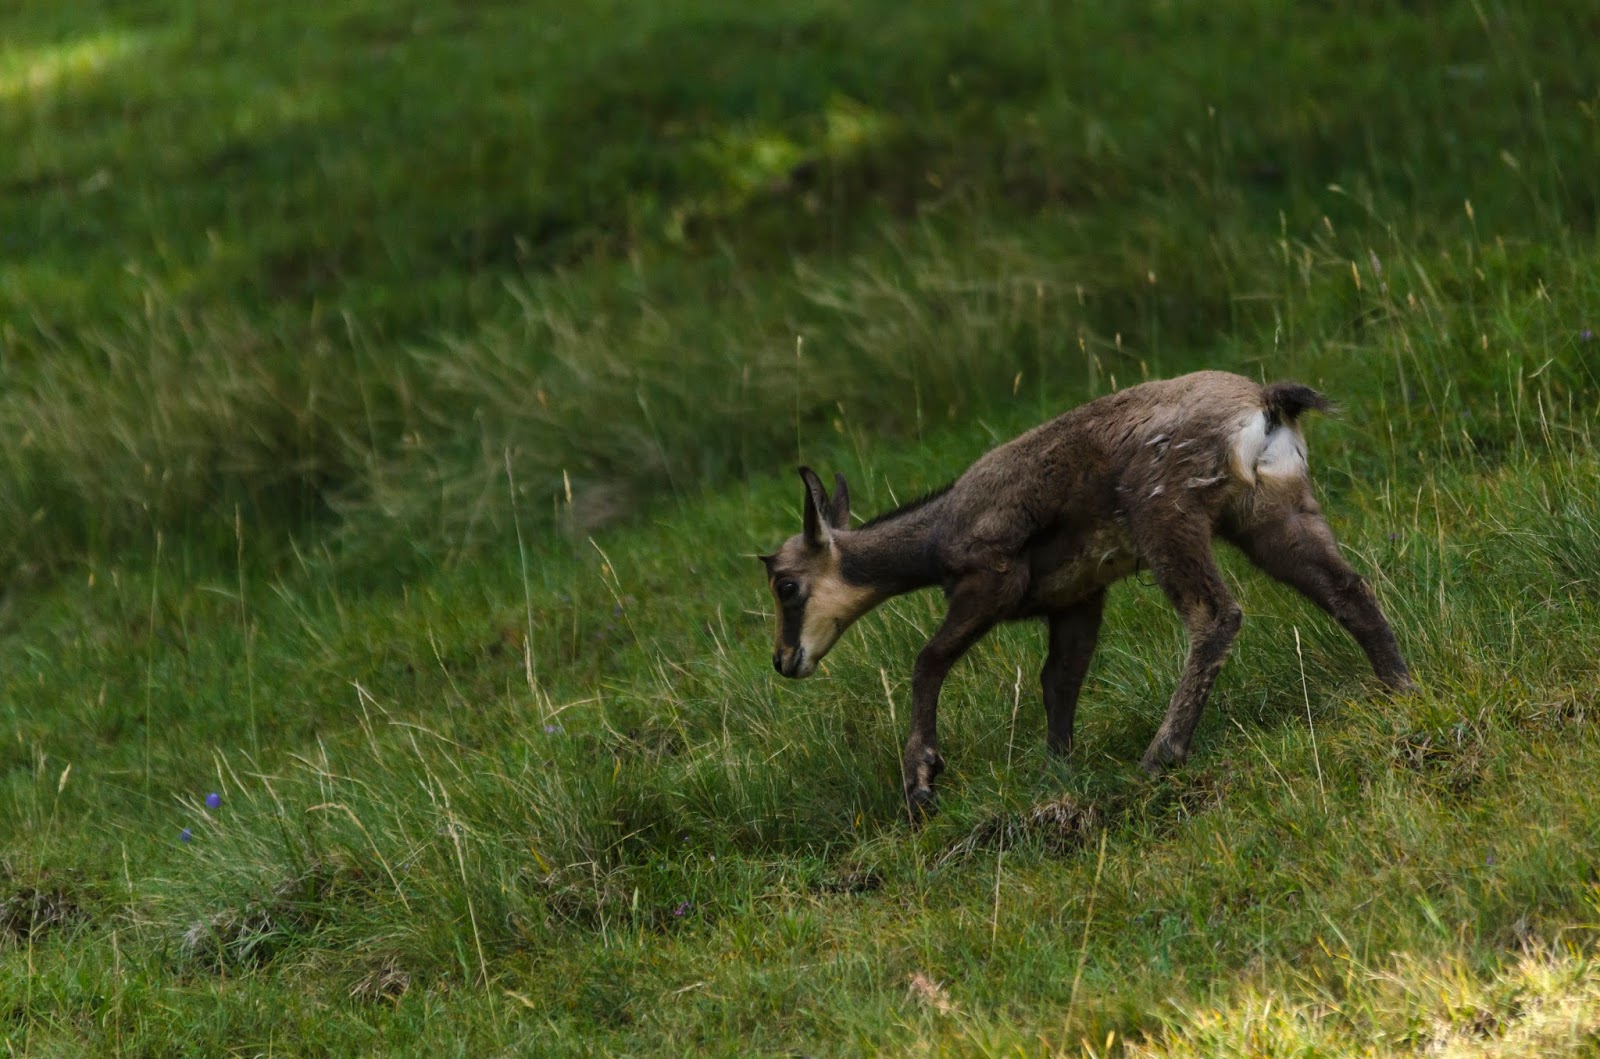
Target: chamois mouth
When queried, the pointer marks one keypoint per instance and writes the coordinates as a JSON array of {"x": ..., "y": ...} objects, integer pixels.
[{"x": 796, "y": 666}]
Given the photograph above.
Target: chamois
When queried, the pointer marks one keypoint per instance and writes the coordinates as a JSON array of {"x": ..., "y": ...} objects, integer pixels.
[{"x": 1039, "y": 528}]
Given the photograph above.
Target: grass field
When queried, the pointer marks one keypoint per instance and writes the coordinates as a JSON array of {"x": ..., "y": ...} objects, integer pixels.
[{"x": 394, "y": 396}]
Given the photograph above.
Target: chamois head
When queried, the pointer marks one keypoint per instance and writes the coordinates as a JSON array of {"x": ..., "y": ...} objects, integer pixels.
[{"x": 814, "y": 601}]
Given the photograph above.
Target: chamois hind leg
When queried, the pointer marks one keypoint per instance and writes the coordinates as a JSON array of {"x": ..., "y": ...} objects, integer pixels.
[
  {"x": 1292, "y": 542},
  {"x": 1074, "y": 631},
  {"x": 976, "y": 603},
  {"x": 1187, "y": 572}
]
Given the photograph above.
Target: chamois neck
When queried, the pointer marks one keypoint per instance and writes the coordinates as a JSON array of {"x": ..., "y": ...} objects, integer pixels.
[{"x": 893, "y": 553}]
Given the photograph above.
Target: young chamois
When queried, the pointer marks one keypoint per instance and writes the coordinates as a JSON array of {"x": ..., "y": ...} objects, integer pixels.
[{"x": 1041, "y": 526}]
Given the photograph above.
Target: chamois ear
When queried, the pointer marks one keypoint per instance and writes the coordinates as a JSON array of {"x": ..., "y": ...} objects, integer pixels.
[
  {"x": 818, "y": 533},
  {"x": 840, "y": 512}
]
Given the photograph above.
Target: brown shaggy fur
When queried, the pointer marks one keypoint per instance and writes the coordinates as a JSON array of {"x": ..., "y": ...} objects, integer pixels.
[{"x": 1039, "y": 528}]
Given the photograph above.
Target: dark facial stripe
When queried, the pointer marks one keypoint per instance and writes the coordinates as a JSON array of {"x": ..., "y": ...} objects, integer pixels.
[{"x": 791, "y": 618}]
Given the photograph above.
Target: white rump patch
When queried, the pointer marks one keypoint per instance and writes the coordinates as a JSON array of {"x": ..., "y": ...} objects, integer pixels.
[
  {"x": 1247, "y": 445},
  {"x": 1278, "y": 453},
  {"x": 1284, "y": 455}
]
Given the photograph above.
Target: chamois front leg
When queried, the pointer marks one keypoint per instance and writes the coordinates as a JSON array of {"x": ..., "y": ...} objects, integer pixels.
[
  {"x": 1187, "y": 572},
  {"x": 1074, "y": 632},
  {"x": 976, "y": 603}
]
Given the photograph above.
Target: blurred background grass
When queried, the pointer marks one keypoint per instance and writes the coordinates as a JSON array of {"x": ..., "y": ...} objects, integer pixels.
[{"x": 313, "y": 260}]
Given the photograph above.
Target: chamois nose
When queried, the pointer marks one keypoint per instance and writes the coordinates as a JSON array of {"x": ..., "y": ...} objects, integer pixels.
[{"x": 789, "y": 663}]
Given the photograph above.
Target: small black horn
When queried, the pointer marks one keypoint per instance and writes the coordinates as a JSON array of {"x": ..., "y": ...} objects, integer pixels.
[
  {"x": 816, "y": 531},
  {"x": 839, "y": 512}
]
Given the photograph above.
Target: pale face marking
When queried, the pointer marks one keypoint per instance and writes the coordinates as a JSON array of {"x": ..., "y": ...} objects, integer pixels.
[{"x": 815, "y": 605}]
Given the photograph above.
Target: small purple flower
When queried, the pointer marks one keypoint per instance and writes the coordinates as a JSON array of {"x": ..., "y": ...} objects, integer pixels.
[
  {"x": 1586, "y": 335},
  {"x": 186, "y": 835},
  {"x": 1394, "y": 536},
  {"x": 1489, "y": 860},
  {"x": 213, "y": 800},
  {"x": 683, "y": 909},
  {"x": 551, "y": 729}
]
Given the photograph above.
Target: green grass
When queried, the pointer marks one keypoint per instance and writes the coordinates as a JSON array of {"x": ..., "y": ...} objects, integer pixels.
[{"x": 395, "y": 394}]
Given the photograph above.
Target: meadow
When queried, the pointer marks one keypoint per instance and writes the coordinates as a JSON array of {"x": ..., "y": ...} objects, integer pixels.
[{"x": 395, "y": 396}]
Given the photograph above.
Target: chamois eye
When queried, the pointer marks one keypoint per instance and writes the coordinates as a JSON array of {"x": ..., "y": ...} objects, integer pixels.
[{"x": 787, "y": 590}]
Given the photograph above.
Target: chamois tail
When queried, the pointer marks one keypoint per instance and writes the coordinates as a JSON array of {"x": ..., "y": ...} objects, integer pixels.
[{"x": 1285, "y": 401}]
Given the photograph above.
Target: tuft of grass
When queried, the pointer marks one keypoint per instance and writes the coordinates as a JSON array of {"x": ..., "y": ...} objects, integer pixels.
[
  {"x": 28, "y": 911},
  {"x": 1541, "y": 1003}
]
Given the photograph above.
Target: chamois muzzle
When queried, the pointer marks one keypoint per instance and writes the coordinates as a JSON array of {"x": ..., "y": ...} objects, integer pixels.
[{"x": 792, "y": 663}]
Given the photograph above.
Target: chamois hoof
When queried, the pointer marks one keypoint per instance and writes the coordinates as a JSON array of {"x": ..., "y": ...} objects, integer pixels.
[
  {"x": 1162, "y": 756},
  {"x": 922, "y": 766},
  {"x": 921, "y": 803},
  {"x": 1400, "y": 684}
]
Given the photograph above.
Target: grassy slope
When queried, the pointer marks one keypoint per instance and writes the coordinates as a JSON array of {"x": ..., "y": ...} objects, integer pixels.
[{"x": 311, "y": 317}]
